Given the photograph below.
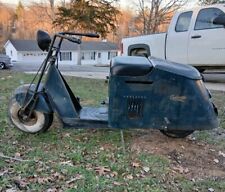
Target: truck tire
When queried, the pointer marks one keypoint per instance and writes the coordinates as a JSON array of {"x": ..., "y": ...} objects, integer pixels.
[
  {"x": 38, "y": 122},
  {"x": 2, "y": 65}
]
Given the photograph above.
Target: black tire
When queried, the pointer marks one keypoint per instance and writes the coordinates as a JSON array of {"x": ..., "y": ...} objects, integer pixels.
[
  {"x": 39, "y": 122},
  {"x": 2, "y": 65},
  {"x": 201, "y": 70},
  {"x": 176, "y": 133}
]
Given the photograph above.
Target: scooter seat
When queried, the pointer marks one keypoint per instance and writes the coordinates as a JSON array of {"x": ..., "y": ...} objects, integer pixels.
[{"x": 130, "y": 66}]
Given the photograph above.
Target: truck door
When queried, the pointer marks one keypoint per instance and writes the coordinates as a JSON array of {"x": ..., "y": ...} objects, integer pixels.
[
  {"x": 207, "y": 41},
  {"x": 177, "y": 38}
]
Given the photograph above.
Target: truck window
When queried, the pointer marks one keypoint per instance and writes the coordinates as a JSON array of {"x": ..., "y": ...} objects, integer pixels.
[
  {"x": 139, "y": 50},
  {"x": 183, "y": 21},
  {"x": 205, "y": 19}
]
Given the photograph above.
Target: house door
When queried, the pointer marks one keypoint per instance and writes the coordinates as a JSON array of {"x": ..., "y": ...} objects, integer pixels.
[{"x": 99, "y": 58}]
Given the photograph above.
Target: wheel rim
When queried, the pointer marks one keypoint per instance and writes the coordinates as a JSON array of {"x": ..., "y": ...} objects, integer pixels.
[
  {"x": 32, "y": 120},
  {"x": 35, "y": 124}
]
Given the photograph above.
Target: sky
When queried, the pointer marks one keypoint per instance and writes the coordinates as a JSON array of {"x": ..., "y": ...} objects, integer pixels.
[{"x": 123, "y": 3}]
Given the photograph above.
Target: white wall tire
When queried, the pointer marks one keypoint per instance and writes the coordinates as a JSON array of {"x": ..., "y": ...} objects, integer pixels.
[{"x": 40, "y": 122}]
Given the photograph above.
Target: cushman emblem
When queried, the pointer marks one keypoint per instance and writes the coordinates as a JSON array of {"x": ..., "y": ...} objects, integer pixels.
[{"x": 178, "y": 98}]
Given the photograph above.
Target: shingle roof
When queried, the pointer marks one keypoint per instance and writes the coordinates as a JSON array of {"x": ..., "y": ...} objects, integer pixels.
[{"x": 31, "y": 45}]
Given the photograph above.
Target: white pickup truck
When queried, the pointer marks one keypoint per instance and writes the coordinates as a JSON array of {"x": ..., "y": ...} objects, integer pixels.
[{"x": 193, "y": 38}]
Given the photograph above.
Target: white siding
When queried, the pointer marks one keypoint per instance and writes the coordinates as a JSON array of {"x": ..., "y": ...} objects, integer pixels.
[
  {"x": 31, "y": 56},
  {"x": 101, "y": 56},
  {"x": 11, "y": 51}
]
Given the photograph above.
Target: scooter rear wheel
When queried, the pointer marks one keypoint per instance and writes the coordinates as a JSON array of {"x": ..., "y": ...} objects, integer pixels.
[
  {"x": 38, "y": 122},
  {"x": 176, "y": 133}
]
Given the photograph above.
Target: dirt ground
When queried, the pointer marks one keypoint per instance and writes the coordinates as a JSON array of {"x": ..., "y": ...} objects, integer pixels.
[{"x": 189, "y": 157}]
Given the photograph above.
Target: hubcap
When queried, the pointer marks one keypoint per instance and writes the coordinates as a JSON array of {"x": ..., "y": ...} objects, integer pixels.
[{"x": 25, "y": 119}]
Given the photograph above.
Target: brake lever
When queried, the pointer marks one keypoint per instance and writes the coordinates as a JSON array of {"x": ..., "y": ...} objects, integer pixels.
[
  {"x": 92, "y": 35},
  {"x": 74, "y": 40}
]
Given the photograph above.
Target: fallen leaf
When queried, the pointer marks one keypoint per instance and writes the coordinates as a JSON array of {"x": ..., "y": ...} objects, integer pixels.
[
  {"x": 11, "y": 190},
  {"x": 221, "y": 154},
  {"x": 20, "y": 184},
  {"x": 181, "y": 169},
  {"x": 70, "y": 163},
  {"x": 58, "y": 176},
  {"x": 117, "y": 183},
  {"x": 216, "y": 160},
  {"x": 3, "y": 173},
  {"x": 211, "y": 189},
  {"x": 146, "y": 169},
  {"x": 135, "y": 164},
  {"x": 102, "y": 170},
  {"x": 67, "y": 135},
  {"x": 213, "y": 150},
  {"x": 52, "y": 190},
  {"x": 44, "y": 180},
  {"x": 14, "y": 142},
  {"x": 17, "y": 155},
  {"x": 77, "y": 177},
  {"x": 130, "y": 177}
]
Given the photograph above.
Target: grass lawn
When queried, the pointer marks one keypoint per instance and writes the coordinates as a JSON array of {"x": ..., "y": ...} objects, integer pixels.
[{"x": 93, "y": 160}]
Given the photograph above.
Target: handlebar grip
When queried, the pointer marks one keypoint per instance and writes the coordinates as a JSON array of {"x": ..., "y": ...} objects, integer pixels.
[{"x": 93, "y": 35}]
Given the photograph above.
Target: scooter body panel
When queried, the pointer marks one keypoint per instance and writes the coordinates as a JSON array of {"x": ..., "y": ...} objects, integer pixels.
[
  {"x": 149, "y": 94},
  {"x": 60, "y": 95},
  {"x": 163, "y": 98}
]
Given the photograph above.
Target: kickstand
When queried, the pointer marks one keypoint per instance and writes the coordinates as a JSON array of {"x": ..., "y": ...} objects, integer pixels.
[{"x": 122, "y": 141}]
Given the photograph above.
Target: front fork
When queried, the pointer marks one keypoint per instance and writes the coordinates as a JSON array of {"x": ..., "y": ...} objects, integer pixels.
[{"x": 27, "y": 110}]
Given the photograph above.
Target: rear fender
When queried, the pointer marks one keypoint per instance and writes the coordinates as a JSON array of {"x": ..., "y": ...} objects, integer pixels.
[{"x": 24, "y": 92}]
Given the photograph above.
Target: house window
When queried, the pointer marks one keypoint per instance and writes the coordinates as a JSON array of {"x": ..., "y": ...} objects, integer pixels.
[
  {"x": 11, "y": 53},
  {"x": 112, "y": 54},
  {"x": 88, "y": 55},
  {"x": 65, "y": 56},
  {"x": 99, "y": 55}
]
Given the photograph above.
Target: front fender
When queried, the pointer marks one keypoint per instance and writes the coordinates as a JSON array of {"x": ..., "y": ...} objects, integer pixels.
[{"x": 23, "y": 93}]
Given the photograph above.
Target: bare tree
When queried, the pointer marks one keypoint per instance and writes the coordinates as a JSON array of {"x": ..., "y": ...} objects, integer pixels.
[
  {"x": 7, "y": 19},
  {"x": 210, "y": 2},
  {"x": 153, "y": 13},
  {"x": 52, "y": 6}
]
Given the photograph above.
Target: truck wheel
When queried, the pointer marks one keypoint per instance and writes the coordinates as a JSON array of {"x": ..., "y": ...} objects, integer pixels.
[
  {"x": 38, "y": 122},
  {"x": 201, "y": 70},
  {"x": 2, "y": 65},
  {"x": 176, "y": 133}
]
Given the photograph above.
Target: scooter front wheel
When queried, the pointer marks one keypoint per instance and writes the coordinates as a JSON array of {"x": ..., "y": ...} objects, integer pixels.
[
  {"x": 177, "y": 133},
  {"x": 38, "y": 122}
]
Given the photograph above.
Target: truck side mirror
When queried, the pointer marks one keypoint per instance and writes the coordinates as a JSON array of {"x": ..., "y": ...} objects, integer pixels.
[
  {"x": 43, "y": 40},
  {"x": 219, "y": 20}
]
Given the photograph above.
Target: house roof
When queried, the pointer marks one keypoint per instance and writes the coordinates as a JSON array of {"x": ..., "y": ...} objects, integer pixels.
[{"x": 31, "y": 45}]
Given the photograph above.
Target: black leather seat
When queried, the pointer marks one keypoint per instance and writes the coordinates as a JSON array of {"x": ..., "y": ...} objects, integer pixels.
[{"x": 130, "y": 66}]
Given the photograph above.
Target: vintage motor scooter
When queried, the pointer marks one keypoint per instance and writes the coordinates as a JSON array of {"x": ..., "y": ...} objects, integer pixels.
[{"x": 143, "y": 93}]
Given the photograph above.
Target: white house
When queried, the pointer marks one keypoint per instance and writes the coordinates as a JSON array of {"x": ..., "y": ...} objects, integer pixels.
[{"x": 92, "y": 52}]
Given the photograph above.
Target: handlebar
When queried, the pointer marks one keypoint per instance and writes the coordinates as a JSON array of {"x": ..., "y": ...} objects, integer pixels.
[{"x": 92, "y": 35}]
